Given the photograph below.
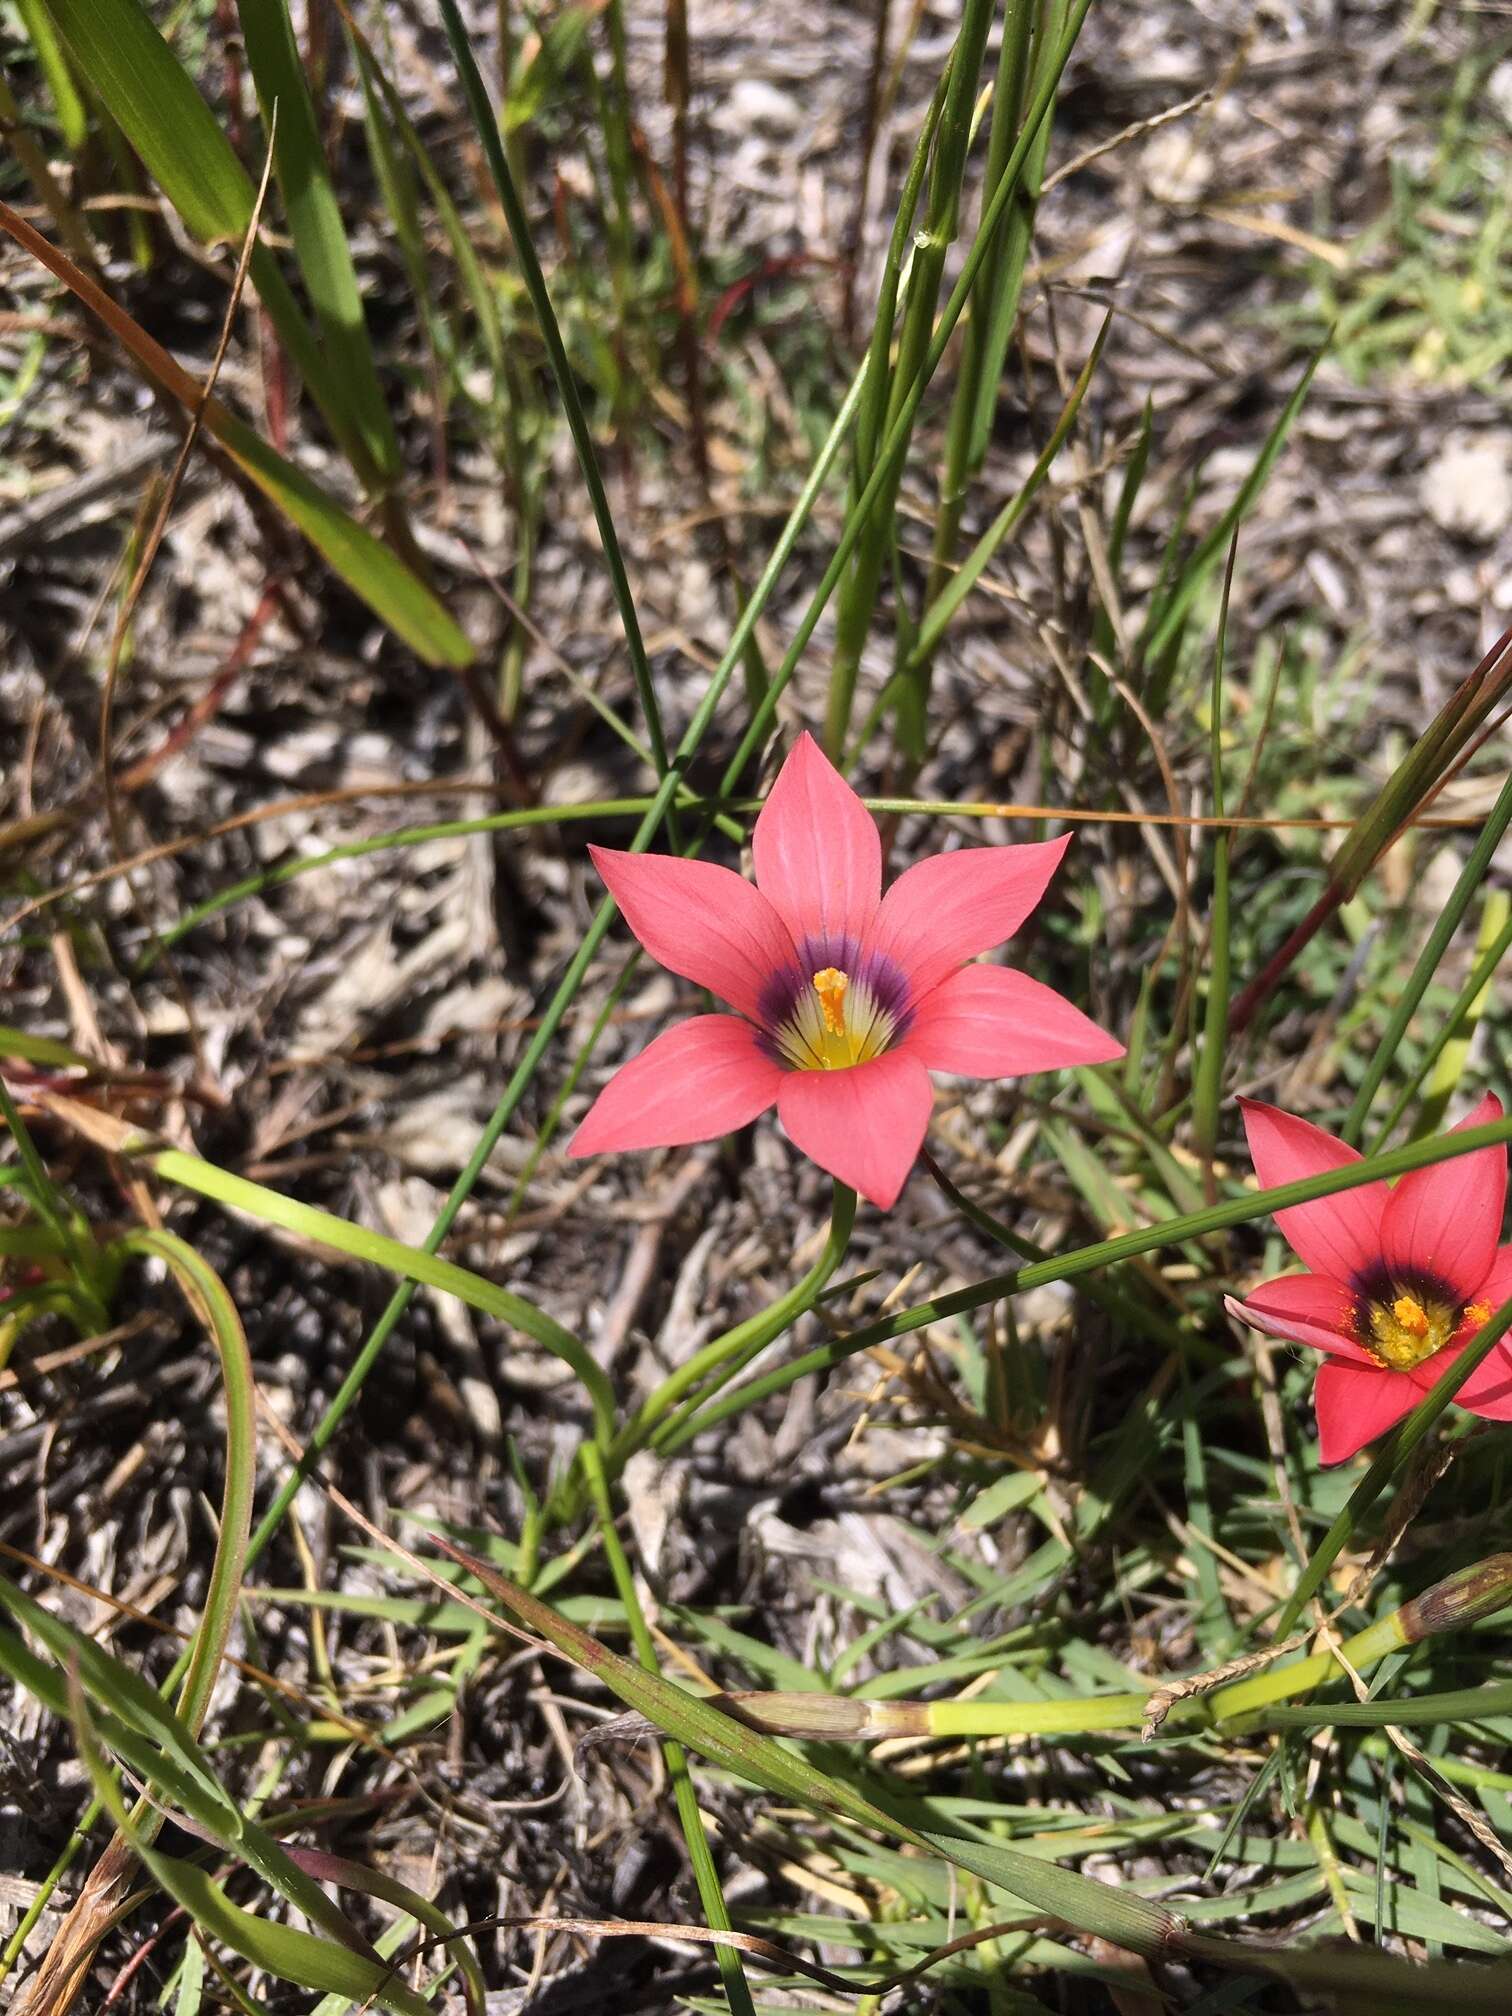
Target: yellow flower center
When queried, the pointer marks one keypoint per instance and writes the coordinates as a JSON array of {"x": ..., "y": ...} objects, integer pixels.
[
  {"x": 1408, "y": 1329},
  {"x": 837, "y": 1021}
]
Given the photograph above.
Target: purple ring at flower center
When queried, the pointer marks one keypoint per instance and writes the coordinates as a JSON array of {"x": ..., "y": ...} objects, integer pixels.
[
  {"x": 1377, "y": 1283},
  {"x": 789, "y": 985}
]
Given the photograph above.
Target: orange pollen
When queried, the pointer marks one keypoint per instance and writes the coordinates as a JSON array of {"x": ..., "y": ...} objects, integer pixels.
[
  {"x": 830, "y": 986},
  {"x": 1478, "y": 1313},
  {"x": 1411, "y": 1314}
]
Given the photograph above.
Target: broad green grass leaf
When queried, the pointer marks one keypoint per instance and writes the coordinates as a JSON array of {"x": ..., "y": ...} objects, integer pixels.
[
  {"x": 697, "y": 1722},
  {"x": 357, "y": 1876}
]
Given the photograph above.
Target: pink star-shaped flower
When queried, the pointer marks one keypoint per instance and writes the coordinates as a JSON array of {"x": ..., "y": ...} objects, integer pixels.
[
  {"x": 1401, "y": 1276},
  {"x": 845, "y": 999}
]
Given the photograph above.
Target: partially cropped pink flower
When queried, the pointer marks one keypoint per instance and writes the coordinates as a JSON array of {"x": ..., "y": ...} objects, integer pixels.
[
  {"x": 845, "y": 999},
  {"x": 1401, "y": 1276}
]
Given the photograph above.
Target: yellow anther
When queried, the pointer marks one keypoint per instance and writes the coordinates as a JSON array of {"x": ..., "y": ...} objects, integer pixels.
[
  {"x": 1408, "y": 1330},
  {"x": 830, "y": 986},
  {"x": 1477, "y": 1313},
  {"x": 1411, "y": 1314}
]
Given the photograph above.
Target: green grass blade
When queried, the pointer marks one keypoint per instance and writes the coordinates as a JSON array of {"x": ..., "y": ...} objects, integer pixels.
[
  {"x": 702, "y": 1726},
  {"x": 143, "y": 1731},
  {"x": 1170, "y": 613},
  {"x": 705, "y": 1874},
  {"x": 1005, "y": 275},
  {"x": 283, "y": 1950},
  {"x": 723, "y": 1356},
  {"x": 206, "y": 1290},
  {"x": 271, "y": 1207},
  {"x": 367, "y": 1882},
  {"x": 859, "y": 593},
  {"x": 1471, "y": 876},
  {"x": 1449, "y": 1058},
  {"x": 320, "y": 241},
  {"x": 479, "y": 293},
  {"x": 73, "y": 123},
  {"x": 1207, "y": 1084},
  {"x": 487, "y": 127},
  {"x": 961, "y": 583},
  {"x": 154, "y": 100},
  {"x": 1483, "y": 973},
  {"x": 383, "y": 581}
]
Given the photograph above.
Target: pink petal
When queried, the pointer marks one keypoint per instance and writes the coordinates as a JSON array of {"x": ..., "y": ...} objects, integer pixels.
[
  {"x": 1355, "y": 1403},
  {"x": 697, "y": 1081},
  {"x": 701, "y": 921},
  {"x": 817, "y": 852},
  {"x": 1493, "y": 1291},
  {"x": 1304, "y": 1309},
  {"x": 1445, "y": 1221},
  {"x": 951, "y": 907},
  {"x": 993, "y": 1022},
  {"x": 1337, "y": 1235},
  {"x": 863, "y": 1125},
  {"x": 1488, "y": 1390}
]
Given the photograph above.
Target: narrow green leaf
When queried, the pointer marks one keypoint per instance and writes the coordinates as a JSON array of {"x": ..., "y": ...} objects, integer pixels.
[
  {"x": 283, "y": 1950},
  {"x": 410, "y": 1262},
  {"x": 1167, "y": 617},
  {"x": 177, "y": 1772},
  {"x": 1471, "y": 876},
  {"x": 72, "y": 123},
  {"x": 487, "y": 127},
  {"x": 1108, "y": 1252},
  {"x": 1207, "y": 1083},
  {"x": 961, "y": 583},
  {"x": 370, "y": 569},
  {"x": 320, "y": 241},
  {"x": 377, "y": 1883},
  {"x": 157, "y": 106},
  {"x": 207, "y": 1291},
  {"x": 481, "y": 295},
  {"x": 41, "y": 1050},
  {"x": 1093, "y": 1906},
  {"x": 1462, "y": 1022}
]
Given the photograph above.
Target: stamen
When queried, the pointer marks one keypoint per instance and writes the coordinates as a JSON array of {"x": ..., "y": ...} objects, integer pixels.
[
  {"x": 1404, "y": 1324},
  {"x": 830, "y": 986},
  {"x": 825, "y": 1017},
  {"x": 1478, "y": 1313},
  {"x": 1411, "y": 1314}
]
